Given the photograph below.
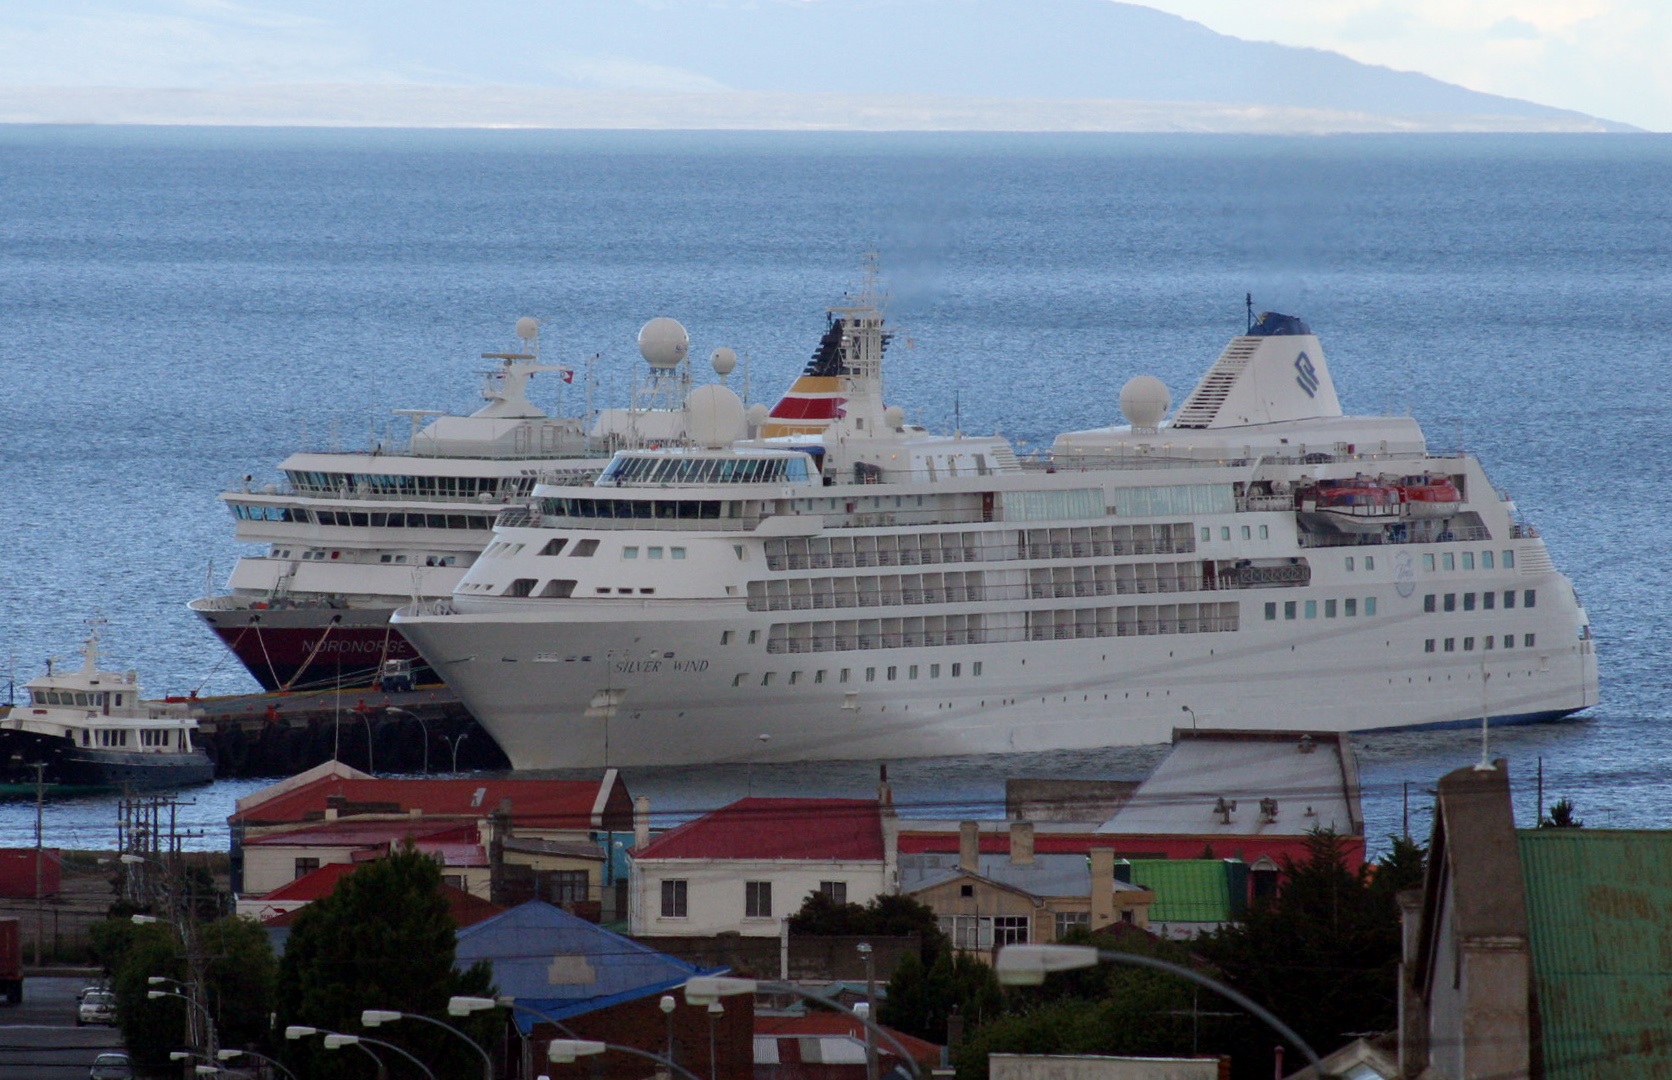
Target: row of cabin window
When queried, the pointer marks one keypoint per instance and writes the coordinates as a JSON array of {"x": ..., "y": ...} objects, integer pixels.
[
  {"x": 1448, "y": 560},
  {"x": 119, "y": 737},
  {"x": 1527, "y": 641},
  {"x": 757, "y": 897},
  {"x": 1349, "y": 608},
  {"x": 1225, "y": 532},
  {"x": 357, "y": 519},
  {"x": 956, "y": 671},
  {"x": 334, "y": 483},
  {"x": 1448, "y": 602},
  {"x": 94, "y": 699}
]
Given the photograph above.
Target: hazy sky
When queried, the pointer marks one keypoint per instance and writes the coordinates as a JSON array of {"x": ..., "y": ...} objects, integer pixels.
[{"x": 1608, "y": 58}]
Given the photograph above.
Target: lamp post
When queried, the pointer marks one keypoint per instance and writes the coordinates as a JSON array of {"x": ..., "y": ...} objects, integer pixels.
[
  {"x": 465, "y": 1006},
  {"x": 335, "y": 1040},
  {"x": 228, "y": 1055},
  {"x": 715, "y": 1011},
  {"x": 870, "y": 998},
  {"x": 392, "y": 711},
  {"x": 208, "y": 1017},
  {"x": 453, "y": 742},
  {"x": 705, "y": 989},
  {"x": 1192, "y": 713},
  {"x": 374, "y": 1017},
  {"x": 1027, "y": 965}
]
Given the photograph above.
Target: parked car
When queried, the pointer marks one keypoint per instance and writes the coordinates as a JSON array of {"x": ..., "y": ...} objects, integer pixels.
[
  {"x": 111, "y": 1066},
  {"x": 97, "y": 1007}
]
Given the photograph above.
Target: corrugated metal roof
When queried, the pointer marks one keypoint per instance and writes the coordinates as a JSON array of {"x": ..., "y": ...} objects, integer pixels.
[
  {"x": 1313, "y": 785},
  {"x": 569, "y": 804},
  {"x": 844, "y": 829},
  {"x": 564, "y": 966},
  {"x": 1190, "y": 890},
  {"x": 1599, "y": 920}
]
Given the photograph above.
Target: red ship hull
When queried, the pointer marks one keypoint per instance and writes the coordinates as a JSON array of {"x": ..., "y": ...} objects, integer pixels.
[{"x": 309, "y": 648}]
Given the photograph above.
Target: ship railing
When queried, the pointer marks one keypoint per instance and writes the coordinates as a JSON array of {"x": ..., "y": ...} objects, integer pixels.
[
  {"x": 439, "y": 606},
  {"x": 1093, "y": 462},
  {"x": 1521, "y": 530}
]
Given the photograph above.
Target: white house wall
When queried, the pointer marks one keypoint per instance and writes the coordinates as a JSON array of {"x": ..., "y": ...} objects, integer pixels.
[{"x": 715, "y": 893}]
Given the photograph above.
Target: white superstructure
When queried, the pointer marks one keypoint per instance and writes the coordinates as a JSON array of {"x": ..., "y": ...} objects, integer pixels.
[{"x": 875, "y": 591}]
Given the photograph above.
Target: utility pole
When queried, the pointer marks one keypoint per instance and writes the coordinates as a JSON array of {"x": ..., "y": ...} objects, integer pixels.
[
  {"x": 40, "y": 796},
  {"x": 870, "y": 1010}
]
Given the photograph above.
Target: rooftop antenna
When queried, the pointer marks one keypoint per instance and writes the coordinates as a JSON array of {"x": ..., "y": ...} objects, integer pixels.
[
  {"x": 1248, "y": 299},
  {"x": 1485, "y": 763}
]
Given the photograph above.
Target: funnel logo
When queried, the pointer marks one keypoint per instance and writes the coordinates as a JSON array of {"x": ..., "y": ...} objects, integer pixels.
[{"x": 1307, "y": 375}]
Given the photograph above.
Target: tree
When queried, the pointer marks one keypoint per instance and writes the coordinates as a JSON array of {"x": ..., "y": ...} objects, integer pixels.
[
  {"x": 383, "y": 939},
  {"x": 921, "y": 999},
  {"x": 1561, "y": 816},
  {"x": 1323, "y": 954},
  {"x": 238, "y": 977},
  {"x": 1108, "y": 1009},
  {"x": 884, "y": 916}
]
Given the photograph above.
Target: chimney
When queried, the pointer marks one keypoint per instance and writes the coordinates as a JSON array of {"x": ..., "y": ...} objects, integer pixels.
[
  {"x": 1021, "y": 843},
  {"x": 641, "y": 821},
  {"x": 969, "y": 846},
  {"x": 1102, "y": 887},
  {"x": 885, "y": 792},
  {"x": 334, "y": 805}
]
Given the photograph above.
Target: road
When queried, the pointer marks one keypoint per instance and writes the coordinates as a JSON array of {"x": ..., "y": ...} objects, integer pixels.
[{"x": 39, "y": 1039}]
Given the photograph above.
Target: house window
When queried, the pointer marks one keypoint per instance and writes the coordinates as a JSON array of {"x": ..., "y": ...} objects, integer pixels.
[
  {"x": 1069, "y": 921},
  {"x": 835, "y": 891},
  {"x": 975, "y": 668},
  {"x": 1349, "y": 564},
  {"x": 1488, "y": 600},
  {"x": 1509, "y": 599},
  {"x": 1529, "y": 598},
  {"x": 757, "y": 899},
  {"x": 1329, "y": 609},
  {"x": 306, "y": 866},
  {"x": 1451, "y": 601},
  {"x": 565, "y": 886},
  {"x": 673, "y": 899},
  {"x": 1271, "y": 611},
  {"x": 1527, "y": 641},
  {"x": 1289, "y": 609},
  {"x": 1468, "y": 601},
  {"x": 1349, "y": 607},
  {"x": 455, "y": 880},
  {"x": 1370, "y": 605}
]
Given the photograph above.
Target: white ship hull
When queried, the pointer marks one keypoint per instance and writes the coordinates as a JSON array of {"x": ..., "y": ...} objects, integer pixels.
[{"x": 657, "y": 687}]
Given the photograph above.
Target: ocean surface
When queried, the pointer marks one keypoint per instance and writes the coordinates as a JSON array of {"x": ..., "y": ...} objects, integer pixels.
[{"x": 180, "y": 307}]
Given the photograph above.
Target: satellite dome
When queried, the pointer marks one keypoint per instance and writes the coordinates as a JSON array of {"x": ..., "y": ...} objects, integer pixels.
[
  {"x": 1144, "y": 401},
  {"x": 724, "y": 360},
  {"x": 528, "y": 328},
  {"x": 757, "y": 414},
  {"x": 664, "y": 343},
  {"x": 713, "y": 416},
  {"x": 894, "y": 417}
]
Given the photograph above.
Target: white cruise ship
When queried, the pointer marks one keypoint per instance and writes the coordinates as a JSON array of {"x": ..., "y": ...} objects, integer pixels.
[{"x": 1258, "y": 560}]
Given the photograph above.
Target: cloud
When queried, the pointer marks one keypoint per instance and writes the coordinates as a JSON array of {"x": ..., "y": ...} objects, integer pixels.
[
  {"x": 1512, "y": 29},
  {"x": 621, "y": 73}
]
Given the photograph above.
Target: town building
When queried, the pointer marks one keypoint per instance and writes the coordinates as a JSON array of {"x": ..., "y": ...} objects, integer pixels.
[
  {"x": 504, "y": 840},
  {"x": 1537, "y": 952},
  {"x": 986, "y": 901},
  {"x": 746, "y": 867},
  {"x": 812, "y": 1044}
]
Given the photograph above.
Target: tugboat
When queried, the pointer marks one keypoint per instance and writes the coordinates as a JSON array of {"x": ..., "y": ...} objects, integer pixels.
[{"x": 92, "y": 728}]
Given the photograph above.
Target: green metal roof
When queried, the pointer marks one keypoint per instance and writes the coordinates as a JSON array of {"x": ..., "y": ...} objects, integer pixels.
[
  {"x": 1599, "y": 923},
  {"x": 1193, "y": 890}
]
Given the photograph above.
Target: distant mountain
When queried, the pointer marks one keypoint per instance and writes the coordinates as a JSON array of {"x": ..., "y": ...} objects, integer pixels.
[
  {"x": 1030, "y": 49},
  {"x": 1014, "y": 65}
]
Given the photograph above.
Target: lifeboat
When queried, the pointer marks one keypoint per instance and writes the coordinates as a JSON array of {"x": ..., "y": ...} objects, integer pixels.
[
  {"x": 1358, "y": 505},
  {"x": 1430, "y": 496}
]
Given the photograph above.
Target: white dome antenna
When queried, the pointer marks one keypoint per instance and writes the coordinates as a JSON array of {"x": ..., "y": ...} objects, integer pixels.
[
  {"x": 894, "y": 417},
  {"x": 724, "y": 361},
  {"x": 528, "y": 328},
  {"x": 756, "y": 416},
  {"x": 664, "y": 343},
  {"x": 1144, "y": 401},
  {"x": 713, "y": 416}
]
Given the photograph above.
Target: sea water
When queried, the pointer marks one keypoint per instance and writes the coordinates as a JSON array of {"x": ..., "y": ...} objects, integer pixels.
[{"x": 182, "y": 307}]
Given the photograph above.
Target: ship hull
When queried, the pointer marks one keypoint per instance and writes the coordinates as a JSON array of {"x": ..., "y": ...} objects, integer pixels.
[
  {"x": 69, "y": 765},
  {"x": 304, "y": 648},
  {"x": 601, "y": 690}
]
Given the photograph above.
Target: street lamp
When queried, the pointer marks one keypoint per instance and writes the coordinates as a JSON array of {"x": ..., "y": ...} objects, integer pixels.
[
  {"x": 870, "y": 996},
  {"x": 1027, "y": 965},
  {"x": 208, "y": 1017},
  {"x": 453, "y": 742},
  {"x": 335, "y": 1040},
  {"x": 374, "y": 1017},
  {"x": 465, "y": 1006},
  {"x": 392, "y": 711},
  {"x": 706, "y": 989},
  {"x": 667, "y": 1005},
  {"x": 228, "y": 1055},
  {"x": 715, "y": 1011}
]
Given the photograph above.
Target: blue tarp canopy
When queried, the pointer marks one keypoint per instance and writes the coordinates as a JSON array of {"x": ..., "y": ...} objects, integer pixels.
[{"x": 564, "y": 966}]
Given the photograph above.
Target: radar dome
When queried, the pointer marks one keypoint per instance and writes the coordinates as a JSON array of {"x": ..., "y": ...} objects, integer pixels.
[
  {"x": 757, "y": 414},
  {"x": 1144, "y": 401},
  {"x": 664, "y": 343},
  {"x": 528, "y": 328},
  {"x": 894, "y": 417},
  {"x": 713, "y": 416},
  {"x": 724, "y": 360}
]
